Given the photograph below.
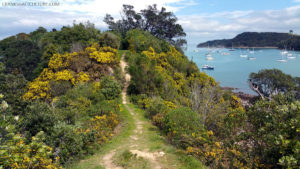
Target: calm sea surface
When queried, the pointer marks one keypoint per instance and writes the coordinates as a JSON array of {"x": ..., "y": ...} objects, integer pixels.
[{"x": 233, "y": 70}]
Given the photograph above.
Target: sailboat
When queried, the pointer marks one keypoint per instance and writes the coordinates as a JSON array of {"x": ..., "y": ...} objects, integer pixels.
[
  {"x": 243, "y": 55},
  {"x": 291, "y": 57},
  {"x": 209, "y": 58},
  {"x": 252, "y": 52},
  {"x": 231, "y": 48},
  {"x": 282, "y": 60},
  {"x": 252, "y": 57}
]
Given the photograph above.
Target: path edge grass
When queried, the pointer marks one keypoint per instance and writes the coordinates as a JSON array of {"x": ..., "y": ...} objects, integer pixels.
[{"x": 126, "y": 129}]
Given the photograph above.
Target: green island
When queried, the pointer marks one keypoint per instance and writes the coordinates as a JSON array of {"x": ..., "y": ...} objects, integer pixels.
[
  {"x": 128, "y": 97},
  {"x": 287, "y": 41}
]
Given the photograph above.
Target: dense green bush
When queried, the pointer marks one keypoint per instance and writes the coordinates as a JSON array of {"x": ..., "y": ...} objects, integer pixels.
[
  {"x": 58, "y": 88},
  {"x": 179, "y": 122},
  {"x": 69, "y": 143},
  {"x": 110, "y": 88},
  {"x": 109, "y": 39},
  {"x": 38, "y": 117},
  {"x": 138, "y": 41},
  {"x": 12, "y": 87},
  {"x": 274, "y": 130},
  {"x": 16, "y": 153},
  {"x": 20, "y": 56}
]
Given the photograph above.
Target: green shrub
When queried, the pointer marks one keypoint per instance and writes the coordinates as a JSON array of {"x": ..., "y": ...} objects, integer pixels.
[
  {"x": 38, "y": 117},
  {"x": 110, "y": 88},
  {"x": 109, "y": 39},
  {"x": 180, "y": 122},
  {"x": 104, "y": 107},
  {"x": 15, "y": 153},
  {"x": 58, "y": 88},
  {"x": 156, "y": 105},
  {"x": 138, "y": 41},
  {"x": 69, "y": 143}
]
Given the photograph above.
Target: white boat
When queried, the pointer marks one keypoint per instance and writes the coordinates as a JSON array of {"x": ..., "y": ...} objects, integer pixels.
[
  {"x": 243, "y": 56},
  {"x": 207, "y": 67},
  {"x": 225, "y": 53},
  {"x": 209, "y": 58},
  {"x": 289, "y": 54},
  {"x": 284, "y": 52},
  {"x": 251, "y": 58},
  {"x": 196, "y": 50},
  {"x": 252, "y": 52},
  {"x": 291, "y": 57},
  {"x": 208, "y": 54},
  {"x": 282, "y": 60},
  {"x": 231, "y": 47}
]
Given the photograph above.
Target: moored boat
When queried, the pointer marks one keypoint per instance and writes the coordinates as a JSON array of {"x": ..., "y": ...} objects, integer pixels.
[
  {"x": 209, "y": 58},
  {"x": 282, "y": 60},
  {"x": 251, "y": 58},
  {"x": 207, "y": 67}
]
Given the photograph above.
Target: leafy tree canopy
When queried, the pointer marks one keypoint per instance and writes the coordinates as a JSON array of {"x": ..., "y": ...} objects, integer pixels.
[
  {"x": 270, "y": 82},
  {"x": 159, "y": 23}
]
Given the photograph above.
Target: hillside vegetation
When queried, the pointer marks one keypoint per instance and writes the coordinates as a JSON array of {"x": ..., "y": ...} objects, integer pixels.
[
  {"x": 256, "y": 39},
  {"x": 60, "y": 95}
]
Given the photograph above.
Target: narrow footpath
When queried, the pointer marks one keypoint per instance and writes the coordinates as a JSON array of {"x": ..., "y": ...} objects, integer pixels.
[{"x": 140, "y": 147}]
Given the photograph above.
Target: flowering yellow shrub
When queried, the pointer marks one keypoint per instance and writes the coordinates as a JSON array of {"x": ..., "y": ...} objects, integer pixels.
[
  {"x": 58, "y": 61},
  {"x": 65, "y": 75},
  {"x": 161, "y": 58},
  {"x": 37, "y": 90},
  {"x": 61, "y": 67},
  {"x": 150, "y": 53},
  {"x": 102, "y": 54},
  {"x": 170, "y": 105},
  {"x": 83, "y": 77},
  {"x": 47, "y": 74},
  {"x": 104, "y": 126},
  {"x": 96, "y": 86},
  {"x": 17, "y": 154}
]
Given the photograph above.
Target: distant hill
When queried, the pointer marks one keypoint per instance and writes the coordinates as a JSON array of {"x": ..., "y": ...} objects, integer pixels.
[{"x": 256, "y": 39}]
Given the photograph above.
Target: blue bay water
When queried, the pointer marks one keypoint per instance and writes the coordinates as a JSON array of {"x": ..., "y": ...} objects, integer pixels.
[{"x": 233, "y": 70}]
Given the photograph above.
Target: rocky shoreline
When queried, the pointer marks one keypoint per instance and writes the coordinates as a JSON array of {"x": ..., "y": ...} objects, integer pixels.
[{"x": 246, "y": 98}]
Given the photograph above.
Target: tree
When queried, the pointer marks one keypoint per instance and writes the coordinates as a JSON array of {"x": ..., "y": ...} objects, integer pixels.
[
  {"x": 20, "y": 56},
  {"x": 273, "y": 132},
  {"x": 270, "y": 82},
  {"x": 109, "y": 39},
  {"x": 159, "y": 23}
]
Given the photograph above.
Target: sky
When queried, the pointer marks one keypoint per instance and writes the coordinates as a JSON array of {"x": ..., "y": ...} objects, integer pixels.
[{"x": 202, "y": 20}]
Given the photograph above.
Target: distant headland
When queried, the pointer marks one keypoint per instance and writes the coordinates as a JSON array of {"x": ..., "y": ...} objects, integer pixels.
[{"x": 288, "y": 41}]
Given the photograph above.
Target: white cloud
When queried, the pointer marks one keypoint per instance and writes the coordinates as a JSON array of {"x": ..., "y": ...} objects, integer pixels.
[
  {"x": 199, "y": 27},
  {"x": 228, "y": 24},
  {"x": 27, "y": 18}
]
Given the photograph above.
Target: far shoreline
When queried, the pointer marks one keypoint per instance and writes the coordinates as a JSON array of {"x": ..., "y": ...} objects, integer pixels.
[{"x": 245, "y": 47}]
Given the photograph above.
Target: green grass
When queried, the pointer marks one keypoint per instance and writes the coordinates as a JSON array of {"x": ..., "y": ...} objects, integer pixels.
[
  {"x": 121, "y": 52},
  {"x": 155, "y": 141},
  {"x": 93, "y": 162},
  {"x": 128, "y": 160},
  {"x": 150, "y": 140}
]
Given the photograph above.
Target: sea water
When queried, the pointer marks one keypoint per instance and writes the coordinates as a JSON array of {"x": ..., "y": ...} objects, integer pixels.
[{"x": 233, "y": 70}]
